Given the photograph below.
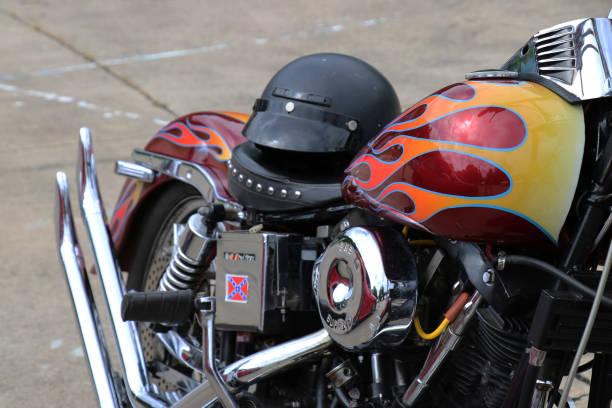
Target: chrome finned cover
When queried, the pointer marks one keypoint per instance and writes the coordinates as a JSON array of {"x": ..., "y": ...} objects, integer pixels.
[
  {"x": 365, "y": 285},
  {"x": 577, "y": 56}
]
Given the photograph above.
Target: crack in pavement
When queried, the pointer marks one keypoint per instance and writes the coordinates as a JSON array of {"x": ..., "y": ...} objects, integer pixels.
[{"x": 90, "y": 58}]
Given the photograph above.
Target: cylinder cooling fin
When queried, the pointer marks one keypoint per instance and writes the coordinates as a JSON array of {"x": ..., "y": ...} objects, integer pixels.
[
  {"x": 485, "y": 363},
  {"x": 365, "y": 286}
]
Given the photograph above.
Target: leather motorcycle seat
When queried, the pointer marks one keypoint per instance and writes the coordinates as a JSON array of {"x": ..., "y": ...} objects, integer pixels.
[{"x": 267, "y": 181}]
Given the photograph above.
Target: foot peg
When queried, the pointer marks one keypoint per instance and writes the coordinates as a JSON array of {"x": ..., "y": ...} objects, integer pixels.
[{"x": 171, "y": 308}]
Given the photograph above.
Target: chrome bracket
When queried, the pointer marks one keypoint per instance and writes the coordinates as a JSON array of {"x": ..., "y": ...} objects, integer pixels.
[
  {"x": 135, "y": 171},
  {"x": 187, "y": 172},
  {"x": 206, "y": 305}
]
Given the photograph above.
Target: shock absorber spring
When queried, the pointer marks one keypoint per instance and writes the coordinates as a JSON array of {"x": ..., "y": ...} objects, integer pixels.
[{"x": 194, "y": 250}]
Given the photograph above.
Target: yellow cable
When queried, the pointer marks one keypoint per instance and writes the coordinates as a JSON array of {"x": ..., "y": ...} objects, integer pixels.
[
  {"x": 422, "y": 242},
  {"x": 433, "y": 334}
]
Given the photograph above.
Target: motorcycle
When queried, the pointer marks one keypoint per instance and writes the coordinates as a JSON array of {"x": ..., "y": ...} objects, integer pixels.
[{"x": 460, "y": 259}]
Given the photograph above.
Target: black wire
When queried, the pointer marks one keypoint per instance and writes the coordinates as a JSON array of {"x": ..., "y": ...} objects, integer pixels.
[
  {"x": 557, "y": 273},
  {"x": 321, "y": 395}
]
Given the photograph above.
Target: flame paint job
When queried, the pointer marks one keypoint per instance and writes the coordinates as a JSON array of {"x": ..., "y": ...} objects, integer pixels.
[
  {"x": 203, "y": 138},
  {"x": 494, "y": 161},
  {"x": 188, "y": 134},
  {"x": 130, "y": 194}
]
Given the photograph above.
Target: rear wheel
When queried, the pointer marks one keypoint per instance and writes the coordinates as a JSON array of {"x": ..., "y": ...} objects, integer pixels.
[{"x": 151, "y": 253}]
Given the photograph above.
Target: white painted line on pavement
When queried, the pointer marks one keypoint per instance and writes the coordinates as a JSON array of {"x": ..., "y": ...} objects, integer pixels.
[
  {"x": 55, "y": 344},
  {"x": 203, "y": 49},
  {"x": 107, "y": 112}
]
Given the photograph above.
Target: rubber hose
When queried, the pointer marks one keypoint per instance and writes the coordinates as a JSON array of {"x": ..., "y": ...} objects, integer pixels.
[{"x": 557, "y": 273}]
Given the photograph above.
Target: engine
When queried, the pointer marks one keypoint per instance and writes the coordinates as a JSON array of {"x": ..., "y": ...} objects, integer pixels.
[{"x": 482, "y": 369}]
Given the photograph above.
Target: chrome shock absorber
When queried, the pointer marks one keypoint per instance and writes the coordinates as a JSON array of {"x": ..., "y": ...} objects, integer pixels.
[{"x": 194, "y": 249}]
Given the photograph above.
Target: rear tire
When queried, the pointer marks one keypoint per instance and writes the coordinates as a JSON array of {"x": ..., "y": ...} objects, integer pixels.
[{"x": 151, "y": 252}]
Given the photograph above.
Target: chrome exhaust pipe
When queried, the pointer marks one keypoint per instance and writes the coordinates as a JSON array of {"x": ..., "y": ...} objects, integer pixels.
[
  {"x": 82, "y": 297},
  {"x": 259, "y": 366},
  {"x": 139, "y": 389},
  {"x": 273, "y": 360}
]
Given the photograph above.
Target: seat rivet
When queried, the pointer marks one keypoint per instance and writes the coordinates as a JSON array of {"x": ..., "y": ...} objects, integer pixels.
[
  {"x": 258, "y": 187},
  {"x": 297, "y": 194},
  {"x": 289, "y": 107},
  {"x": 270, "y": 190},
  {"x": 283, "y": 193},
  {"x": 249, "y": 183}
]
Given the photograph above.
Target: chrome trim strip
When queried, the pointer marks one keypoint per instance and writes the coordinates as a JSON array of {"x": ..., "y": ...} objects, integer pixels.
[
  {"x": 555, "y": 51},
  {"x": 133, "y": 170},
  {"x": 132, "y": 360},
  {"x": 82, "y": 297},
  {"x": 187, "y": 172}
]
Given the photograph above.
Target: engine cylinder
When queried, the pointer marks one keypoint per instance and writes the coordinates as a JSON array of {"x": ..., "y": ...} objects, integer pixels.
[{"x": 365, "y": 286}]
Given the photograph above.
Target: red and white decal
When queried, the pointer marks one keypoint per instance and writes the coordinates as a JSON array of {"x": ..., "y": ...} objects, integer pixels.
[{"x": 236, "y": 288}]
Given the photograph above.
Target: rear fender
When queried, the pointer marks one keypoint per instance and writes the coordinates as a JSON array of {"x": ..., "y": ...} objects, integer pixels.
[{"x": 193, "y": 149}]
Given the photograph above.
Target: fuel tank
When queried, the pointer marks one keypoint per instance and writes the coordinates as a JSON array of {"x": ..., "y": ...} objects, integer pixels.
[{"x": 486, "y": 161}]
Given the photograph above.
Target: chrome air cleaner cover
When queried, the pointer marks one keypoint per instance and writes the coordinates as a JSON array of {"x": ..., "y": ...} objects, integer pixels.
[{"x": 365, "y": 285}]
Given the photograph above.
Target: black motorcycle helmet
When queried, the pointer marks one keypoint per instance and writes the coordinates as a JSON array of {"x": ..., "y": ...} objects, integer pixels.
[{"x": 322, "y": 103}]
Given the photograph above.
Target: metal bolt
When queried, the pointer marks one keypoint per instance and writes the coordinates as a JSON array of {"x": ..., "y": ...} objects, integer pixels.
[
  {"x": 344, "y": 225},
  {"x": 351, "y": 125},
  {"x": 354, "y": 393},
  {"x": 501, "y": 261},
  {"x": 289, "y": 107},
  {"x": 249, "y": 183},
  {"x": 258, "y": 187},
  {"x": 283, "y": 193},
  {"x": 297, "y": 194},
  {"x": 457, "y": 287},
  {"x": 488, "y": 277},
  {"x": 270, "y": 190}
]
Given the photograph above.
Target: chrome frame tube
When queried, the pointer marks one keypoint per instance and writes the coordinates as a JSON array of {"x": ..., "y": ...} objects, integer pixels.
[
  {"x": 259, "y": 366},
  {"x": 208, "y": 344},
  {"x": 440, "y": 350},
  {"x": 132, "y": 360},
  {"x": 82, "y": 297},
  {"x": 182, "y": 350}
]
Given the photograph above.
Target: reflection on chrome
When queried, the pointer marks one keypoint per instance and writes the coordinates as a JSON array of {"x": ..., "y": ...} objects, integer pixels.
[
  {"x": 82, "y": 297},
  {"x": 130, "y": 352}
]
